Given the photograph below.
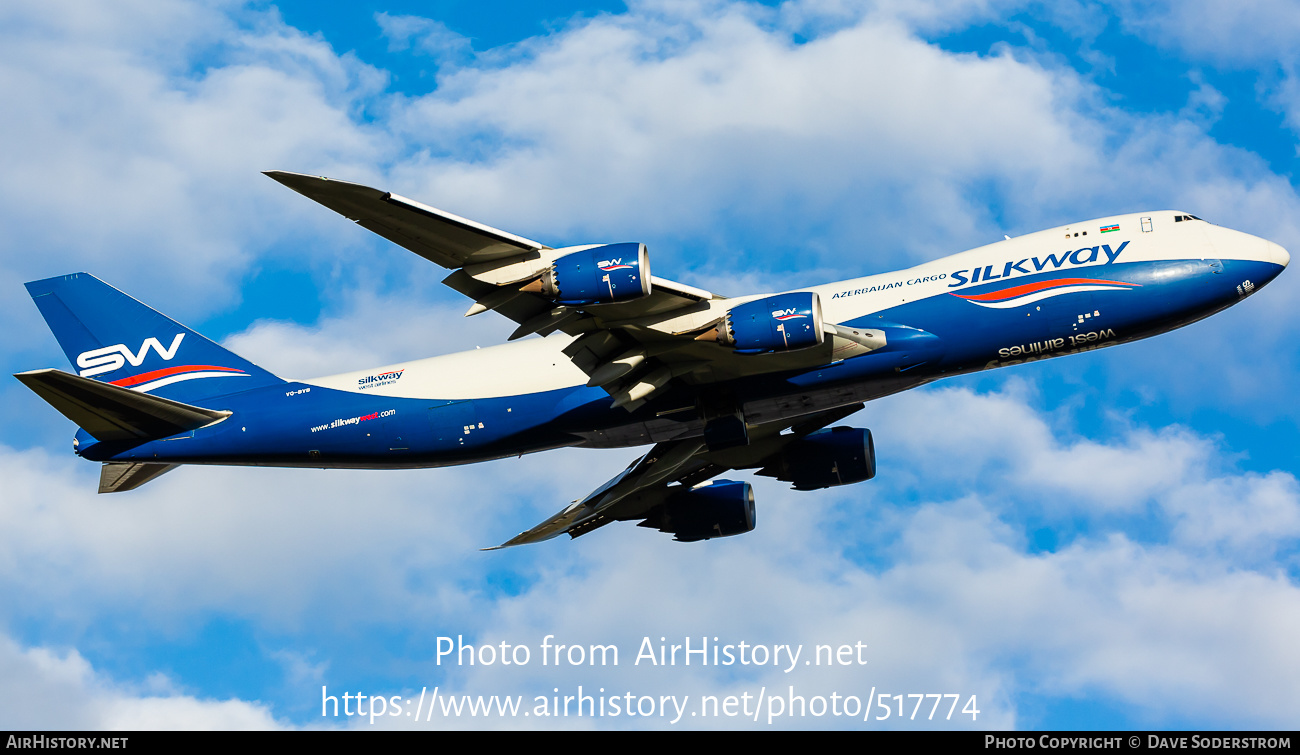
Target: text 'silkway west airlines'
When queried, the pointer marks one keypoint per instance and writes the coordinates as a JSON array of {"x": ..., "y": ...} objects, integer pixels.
[{"x": 619, "y": 357}]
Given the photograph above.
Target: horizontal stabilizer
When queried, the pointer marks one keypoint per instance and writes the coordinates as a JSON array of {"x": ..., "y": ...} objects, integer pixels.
[
  {"x": 109, "y": 412},
  {"x": 117, "y": 476}
]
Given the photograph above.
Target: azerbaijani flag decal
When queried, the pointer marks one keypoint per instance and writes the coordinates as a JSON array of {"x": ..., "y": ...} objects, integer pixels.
[
  {"x": 147, "y": 381},
  {"x": 1029, "y": 293},
  {"x": 1109, "y": 228}
]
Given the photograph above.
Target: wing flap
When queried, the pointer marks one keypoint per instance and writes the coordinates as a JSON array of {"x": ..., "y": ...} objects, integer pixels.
[
  {"x": 109, "y": 412},
  {"x": 556, "y": 525}
]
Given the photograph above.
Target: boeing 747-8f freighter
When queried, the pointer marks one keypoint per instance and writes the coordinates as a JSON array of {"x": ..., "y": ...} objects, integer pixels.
[{"x": 625, "y": 359}]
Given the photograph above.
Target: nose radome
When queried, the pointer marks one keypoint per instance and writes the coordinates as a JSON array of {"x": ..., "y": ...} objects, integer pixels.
[{"x": 1277, "y": 254}]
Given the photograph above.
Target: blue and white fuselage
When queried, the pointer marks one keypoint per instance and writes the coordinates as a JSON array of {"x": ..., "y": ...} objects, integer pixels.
[{"x": 1046, "y": 294}]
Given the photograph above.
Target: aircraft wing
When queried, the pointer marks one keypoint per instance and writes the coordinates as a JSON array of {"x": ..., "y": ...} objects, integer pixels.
[
  {"x": 456, "y": 243},
  {"x": 632, "y": 348},
  {"x": 440, "y": 237},
  {"x": 639, "y": 491}
]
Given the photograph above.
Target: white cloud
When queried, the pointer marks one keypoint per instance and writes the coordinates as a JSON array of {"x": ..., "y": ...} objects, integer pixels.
[
  {"x": 961, "y": 609},
  {"x": 49, "y": 690},
  {"x": 350, "y": 340},
  {"x": 1255, "y": 33},
  {"x": 663, "y": 123},
  {"x": 138, "y": 133},
  {"x": 1257, "y": 36},
  {"x": 426, "y": 35},
  {"x": 271, "y": 544},
  {"x": 1187, "y": 478}
]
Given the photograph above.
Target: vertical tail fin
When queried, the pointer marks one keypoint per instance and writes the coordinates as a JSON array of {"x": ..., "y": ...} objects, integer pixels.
[{"x": 112, "y": 338}]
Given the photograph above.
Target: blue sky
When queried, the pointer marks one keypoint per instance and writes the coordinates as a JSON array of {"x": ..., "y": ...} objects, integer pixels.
[{"x": 1107, "y": 540}]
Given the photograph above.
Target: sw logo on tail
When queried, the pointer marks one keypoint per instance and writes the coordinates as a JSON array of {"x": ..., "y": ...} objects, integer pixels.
[{"x": 115, "y": 357}]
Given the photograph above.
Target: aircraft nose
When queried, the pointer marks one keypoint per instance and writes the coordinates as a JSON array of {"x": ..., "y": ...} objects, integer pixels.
[{"x": 1277, "y": 254}]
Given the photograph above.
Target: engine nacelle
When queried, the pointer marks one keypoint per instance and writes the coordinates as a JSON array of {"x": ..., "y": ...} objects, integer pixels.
[
  {"x": 721, "y": 509},
  {"x": 825, "y": 459},
  {"x": 599, "y": 275},
  {"x": 785, "y": 322}
]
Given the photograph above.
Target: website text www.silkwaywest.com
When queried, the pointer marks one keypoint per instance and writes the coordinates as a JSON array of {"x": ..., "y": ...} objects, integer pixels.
[{"x": 781, "y": 703}]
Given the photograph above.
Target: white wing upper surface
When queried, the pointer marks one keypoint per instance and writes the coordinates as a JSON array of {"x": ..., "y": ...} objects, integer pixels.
[
  {"x": 440, "y": 237},
  {"x": 634, "y": 349},
  {"x": 457, "y": 243},
  {"x": 491, "y": 266}
]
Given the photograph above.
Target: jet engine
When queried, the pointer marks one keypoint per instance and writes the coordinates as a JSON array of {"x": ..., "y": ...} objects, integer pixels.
[
  {"x": 597, "y": 275},
  {"x": 785, "y": 322},
  {"x": 825, "y": 459},
  {"x": 720, "y": 509}
]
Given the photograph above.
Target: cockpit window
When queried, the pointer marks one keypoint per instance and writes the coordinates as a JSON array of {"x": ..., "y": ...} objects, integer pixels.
[{"x": 1181, "y": 218}]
